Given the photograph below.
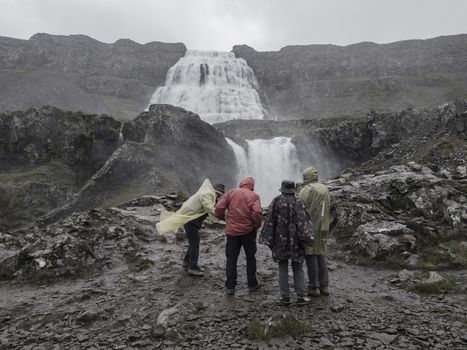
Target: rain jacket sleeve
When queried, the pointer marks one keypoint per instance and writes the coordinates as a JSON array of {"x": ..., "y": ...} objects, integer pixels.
[
  {"x": 199, "y": 204},
  {"x": 257, "y": 212},
  {"x": 221, "y": 206}
]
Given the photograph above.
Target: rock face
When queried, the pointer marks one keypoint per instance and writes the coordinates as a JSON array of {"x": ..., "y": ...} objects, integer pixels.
[
  {"x": 50, "y": 158},
  {"x": 77, "y": 72},
  {"x": 408, "y": 188},
  {"x": 46, "y": 154},
  {"x": 317, "y": 81}
]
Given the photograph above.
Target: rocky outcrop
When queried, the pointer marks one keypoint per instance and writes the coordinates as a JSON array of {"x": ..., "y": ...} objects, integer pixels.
[
  {"x": 317, "y": 81},
  {"x": 165, "y": 149},
  {"x": 400, "y": 209},
  {"x": 50, "y": 158},
  {"x": 77, "y": 72}
]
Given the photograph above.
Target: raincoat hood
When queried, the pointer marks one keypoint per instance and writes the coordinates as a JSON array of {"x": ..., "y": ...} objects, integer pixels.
[
  {"x": 310, "y": 175},
  {"x": 248, "y": 182}
]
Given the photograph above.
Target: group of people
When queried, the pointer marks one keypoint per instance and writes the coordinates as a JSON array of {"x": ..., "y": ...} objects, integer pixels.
[{"x": 295, "y": 229}]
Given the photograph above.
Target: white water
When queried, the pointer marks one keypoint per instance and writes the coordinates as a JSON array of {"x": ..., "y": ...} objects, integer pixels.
[
  {"x": 215, "y": 85},
  {"x": 268, "y": 162}
]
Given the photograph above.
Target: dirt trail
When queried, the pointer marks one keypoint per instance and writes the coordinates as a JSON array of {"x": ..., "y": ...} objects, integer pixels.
[{"x": 117, "y": 308}]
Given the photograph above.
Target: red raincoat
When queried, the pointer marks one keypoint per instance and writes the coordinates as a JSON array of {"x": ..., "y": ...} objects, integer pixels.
[{"x": 243, "y": 209}]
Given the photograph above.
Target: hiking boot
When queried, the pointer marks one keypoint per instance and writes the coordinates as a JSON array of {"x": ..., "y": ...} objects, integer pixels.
[
  {"x": 314, "y": 292},
  {"x": 302, "y": 301},
  {"x": 254, "y": 288},
  {"x": 196, "y": 272},
  {"x": 325, "y": 291},
  {"x": 230, "y": 291},
  {"x": 284, "y": 300}
]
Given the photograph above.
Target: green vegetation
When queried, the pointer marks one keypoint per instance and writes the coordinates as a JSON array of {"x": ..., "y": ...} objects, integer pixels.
[
  {"x": 174, "y": 336},
  {"x": 55, "y": 172},
  {"x": 446, "y": 285},
  {"x": 451, "y": 254},
  {"x": 127, "y": 194},
  {"x": 427, "y": 152},
  {"x": 287, "y": 325},
  {"x": 26, "y": 194}
]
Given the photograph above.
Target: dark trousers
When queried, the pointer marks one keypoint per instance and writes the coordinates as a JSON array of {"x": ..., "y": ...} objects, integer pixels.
[
  {"x": 232, "y": 250},
  {"x": 192, "y": 253},
  {"x": 317, "y": 271}
]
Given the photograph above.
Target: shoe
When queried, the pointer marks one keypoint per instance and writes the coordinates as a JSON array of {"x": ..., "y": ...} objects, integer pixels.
[
  {"x": 325, "y": 291},
  {"x": 302, "y": 301},
  {"x": 229, "y": 291},
  {"x": 284, "y": 300},
  {"x": 314, "y": 292},
  {"x": 185, "y": 265},
  {"x": 196, "y": 272},
  {"x": 254, "y": 288}
]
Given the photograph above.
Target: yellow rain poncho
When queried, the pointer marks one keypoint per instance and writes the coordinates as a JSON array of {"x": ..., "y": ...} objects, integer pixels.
[{"x": 202, "y": 202}]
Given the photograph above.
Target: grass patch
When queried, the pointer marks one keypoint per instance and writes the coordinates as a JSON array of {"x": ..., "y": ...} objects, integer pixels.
[
  {"x": 287, "y": 325},
  {"x": 56, "y": 172},
  {"x": 127, "y": 194},
  {"x": 174, "y": 336},
  {"x": 451, "y": 254},
  {"x": 428, "y": 152},
  {"x": 440, "y": 287}
]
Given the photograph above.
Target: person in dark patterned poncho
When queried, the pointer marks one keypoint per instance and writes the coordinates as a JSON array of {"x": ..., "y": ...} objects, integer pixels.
[{"x": 286, "y": 230}]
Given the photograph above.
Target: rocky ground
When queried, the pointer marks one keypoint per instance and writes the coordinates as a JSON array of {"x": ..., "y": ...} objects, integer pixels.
[{"x": 104, "y": 279}]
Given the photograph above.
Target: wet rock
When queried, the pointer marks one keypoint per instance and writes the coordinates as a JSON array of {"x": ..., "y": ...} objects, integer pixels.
[
  {"x": 382, "y": 238},
  {"x": 170, "y": 317},
  {"x": 405, "y": 275},
  {"x": 434, "y": 277}
]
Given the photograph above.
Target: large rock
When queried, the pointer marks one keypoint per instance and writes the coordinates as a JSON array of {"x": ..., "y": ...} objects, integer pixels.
[
  {"x": 77, "y": 72},
  {"x": 316, "y": 81},
  {"x": 165, "y": 149}
]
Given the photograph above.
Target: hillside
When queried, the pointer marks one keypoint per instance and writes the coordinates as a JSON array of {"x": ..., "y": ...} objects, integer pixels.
[
  {"x": 79, "y": 73},
  {"x": 318, "y": 81}
]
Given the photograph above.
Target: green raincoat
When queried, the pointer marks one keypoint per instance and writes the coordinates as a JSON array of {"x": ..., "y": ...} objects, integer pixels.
[
  {"x": 202, "y": 202},
  {"x": 317, "y": 202}
]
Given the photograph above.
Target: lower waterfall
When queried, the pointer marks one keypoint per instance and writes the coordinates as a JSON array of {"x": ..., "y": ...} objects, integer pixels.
[{"x": 268, "y": 161}]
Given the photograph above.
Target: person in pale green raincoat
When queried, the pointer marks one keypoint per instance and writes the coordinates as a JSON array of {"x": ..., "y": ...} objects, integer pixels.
[
  {"x": 191, "y": 215},
  {"x": 317, "y": 201}
]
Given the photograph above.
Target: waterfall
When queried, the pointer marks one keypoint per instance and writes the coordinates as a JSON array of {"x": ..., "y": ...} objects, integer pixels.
[
  {"x": 268, "y": 162},
  {"x": 215, "y": 85}
]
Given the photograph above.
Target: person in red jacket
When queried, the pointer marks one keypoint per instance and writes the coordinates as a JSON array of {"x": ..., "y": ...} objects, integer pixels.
[{"x": 244, "y": 216}]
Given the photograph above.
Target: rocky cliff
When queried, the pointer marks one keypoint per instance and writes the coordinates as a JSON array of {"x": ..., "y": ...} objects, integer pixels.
[
  {"x": 50, "y": 158},
  {"x": 77, "y": 72},
  {"x": 317, "y": 81}
]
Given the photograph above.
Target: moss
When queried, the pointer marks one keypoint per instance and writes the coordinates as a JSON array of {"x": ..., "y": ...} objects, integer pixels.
[
  {"x": 427, "y": 152},
  {"x": 287, "y": 325},
  {"x": 446, "y": 285},
  {"x": 174, "y": 336},
  {"x": 448, "y": 255},
  {"x": 55, "y": 172},
  {"x": 126, "y": 194}
]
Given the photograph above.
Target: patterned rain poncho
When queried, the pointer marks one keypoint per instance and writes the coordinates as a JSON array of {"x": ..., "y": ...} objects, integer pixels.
[{"x": 287, "y": 228}]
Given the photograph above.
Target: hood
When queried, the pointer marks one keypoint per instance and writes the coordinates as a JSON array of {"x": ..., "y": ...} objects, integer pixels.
[
  {"x": 310, "y": 175},
  {"x": 248, "y": 183}
]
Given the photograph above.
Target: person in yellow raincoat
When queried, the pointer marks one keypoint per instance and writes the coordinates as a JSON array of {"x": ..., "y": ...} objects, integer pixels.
[
  {"x": 191, "y": 216},
  {"x": 317, "y": 202}
]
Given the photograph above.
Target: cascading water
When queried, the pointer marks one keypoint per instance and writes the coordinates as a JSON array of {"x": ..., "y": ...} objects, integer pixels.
[
  {"x": 220, "y": 87},
  {"x": 215, "y": 85},
  {"x": 269, "y": 162}
]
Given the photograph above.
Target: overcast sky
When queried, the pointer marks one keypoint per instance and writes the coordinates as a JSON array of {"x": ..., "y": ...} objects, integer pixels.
[{"x": 220, "y": 24}]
